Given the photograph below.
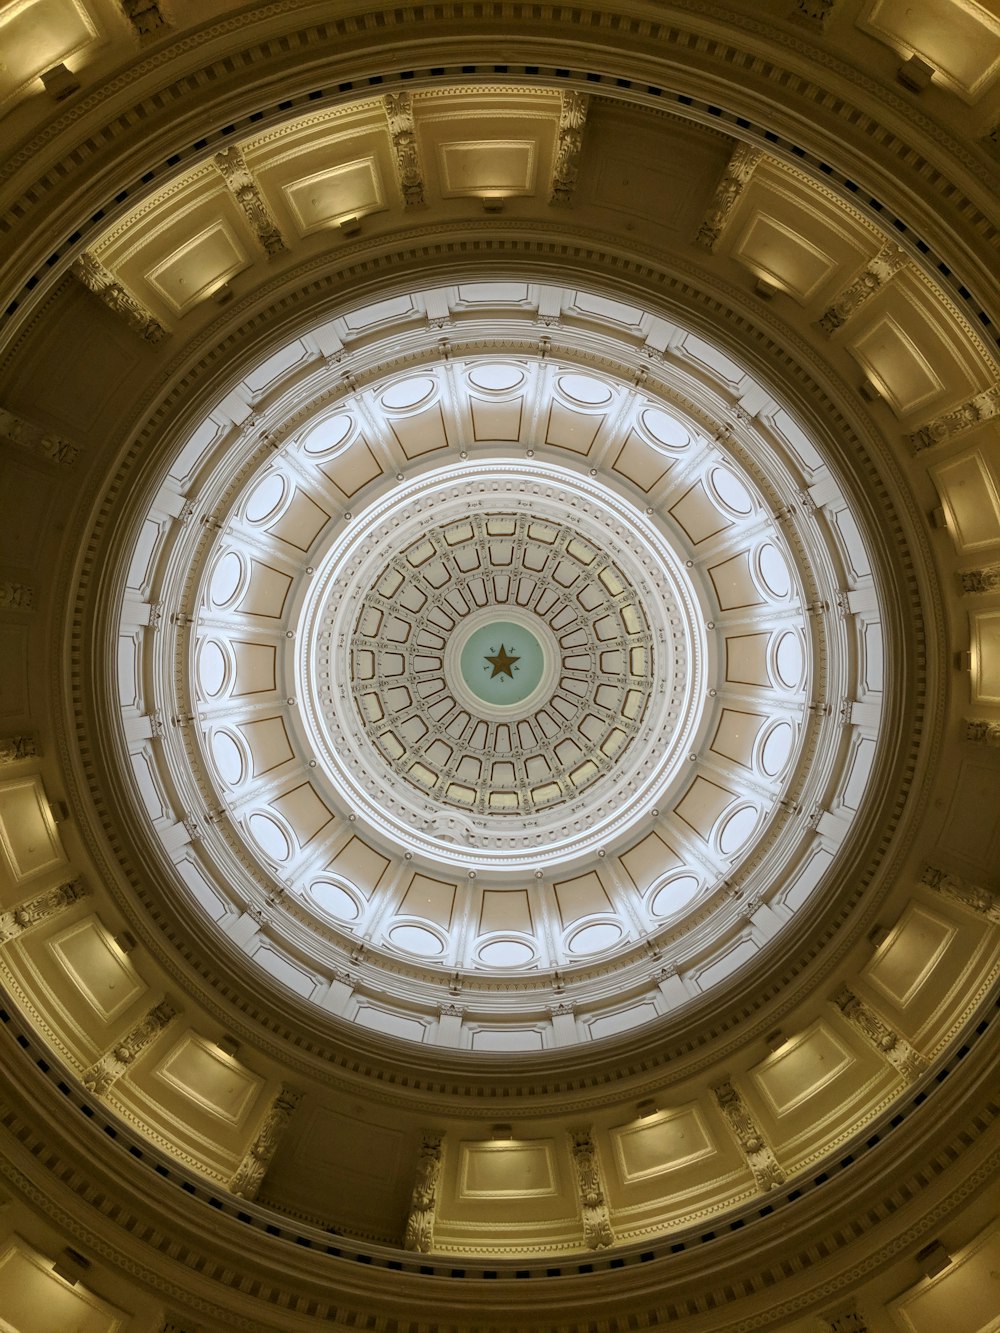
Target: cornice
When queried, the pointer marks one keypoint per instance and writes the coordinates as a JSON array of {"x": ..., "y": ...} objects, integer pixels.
[{"x": 906, "y": 1186}]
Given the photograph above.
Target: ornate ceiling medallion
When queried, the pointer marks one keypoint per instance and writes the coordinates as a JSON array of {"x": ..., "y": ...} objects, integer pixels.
[{"x": 454, "y": 742}]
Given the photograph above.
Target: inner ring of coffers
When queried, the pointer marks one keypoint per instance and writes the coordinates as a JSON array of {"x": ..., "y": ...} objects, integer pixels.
[{"x": 606, "y": 796}]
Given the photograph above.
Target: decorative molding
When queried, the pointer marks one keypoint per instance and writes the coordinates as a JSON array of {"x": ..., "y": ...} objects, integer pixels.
[
  {"x": 423, "y": 1201},
  {"x": 146, "y": 16},
  {"x": 248, "y": 1176},
  {"x": 402, "y": 131},
  {"x": 959, "y": 890},
  {"x": 984, "y": 407},
  {"x": 89, "y": 271},
  {"x": 982, "y": 732},
  {"x": 848, "y": 1319},
  {"x": 240, "y": 181},
  {"x": 13, "y": 749},
  {"x": 741, "y": 166},
  {"x": 16, "y": 596},
  {"x": 36, "y": 439},
  {"x": 106, "y": 1071},
  {"x": 815, "y": 13},
  {"x": 569, "y": 147},
  {"x": 889, "y": 1044},
  {"x": 879, "y": 269},
  {"x": 760, "y": 1158},
  {"x": 50, "y": 903},
  {"x": 597, "y": 1231},
  {"x": 984, "y": 579}
]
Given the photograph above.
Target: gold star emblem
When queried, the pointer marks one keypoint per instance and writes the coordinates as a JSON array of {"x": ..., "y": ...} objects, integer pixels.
[{"x": 502, "y": 663}]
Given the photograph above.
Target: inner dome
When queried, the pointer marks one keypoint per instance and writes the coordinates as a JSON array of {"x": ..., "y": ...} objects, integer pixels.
[{"x": 407, "y": 838}]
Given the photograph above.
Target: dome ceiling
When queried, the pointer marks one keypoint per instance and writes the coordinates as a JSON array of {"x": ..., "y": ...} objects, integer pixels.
[
  {"x": 684, "y": 765},
  {"x": 496, "y": 825}
]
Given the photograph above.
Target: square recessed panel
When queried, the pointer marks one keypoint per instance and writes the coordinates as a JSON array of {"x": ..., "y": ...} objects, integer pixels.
[
  {"x": 663, "y": 1142},
  {"x": 37, "y": 34},
  {"x": 200, "y": 1072},
  {"x": 487, "y": 166},
  {"x": 324, "y": 199},
  {"x": 897, "y": 366},
  {"x": 102, "y": 974},
  {"x": 776, "y": 251},
  {"x": 506, "y": 1170},
  {"x": 802, "y": 1068},
  {"x": 199, "y": 267}
]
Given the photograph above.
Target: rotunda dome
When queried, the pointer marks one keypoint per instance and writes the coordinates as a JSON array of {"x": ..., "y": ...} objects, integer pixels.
[{"x": 560, "y": 687}]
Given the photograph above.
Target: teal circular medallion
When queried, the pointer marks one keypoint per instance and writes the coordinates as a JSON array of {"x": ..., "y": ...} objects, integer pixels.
[{"x": 502, "y": 663}]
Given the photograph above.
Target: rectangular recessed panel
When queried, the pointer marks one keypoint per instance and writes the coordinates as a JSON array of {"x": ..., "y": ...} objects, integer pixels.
[
  {"x": 13, "y": 671},
  {"x": 809, "y": 875},
  {"x": 660, "y": 1143},
  {"x": 255, "y": 667},
  {"x": 290, "y": 974},
  {"x": 859, "y": 768},
  {"x": 28, "y": 833},
  {"x": 622, "y": 1019},
  {"x": 496, "y": 421},
  {"x": 304, "y": 810},
  {"x": 361, "y": 865},
  {"x": 214, "y": 1081},
  {"x": 25, "y": 524},
  {"x": 985, "y": 638},
  {"x": 103, "y": 975},
  {"x": 802, "y": 1068},
  {"x": 266, "y": 592},
  {"x": 746, "y": 659},
  {"x": 698, "y": 516},
  {"x": 972, "y": 827},
  {"x": 198, "y": 267},
  {"x": 774, "y": 250},
  {"x": 326, "y": 198},
  {"x": 971, "y": 500},
  {"x": 506, "y": 1170},
  {"x": 487, "y": 167},
  {"x": 872, "y": 656},
  {"x": 724, "y": 963},
  {"x": 907, "y": 959},
  {"x": 960, "y": 40},
  {"x": 37, "y": 34},
  {"x": 734, "y": 585},
  {"x": 301, "y": 521},
  {"x": 507, "y": 1039},
  {"x": 897, "y": 366},
  {"x": 505, "y": 909},
  {"x": 393, "y": 1024},
  {"x": 35, "y": 1300},
  {"x": 735, "y": 735}
]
